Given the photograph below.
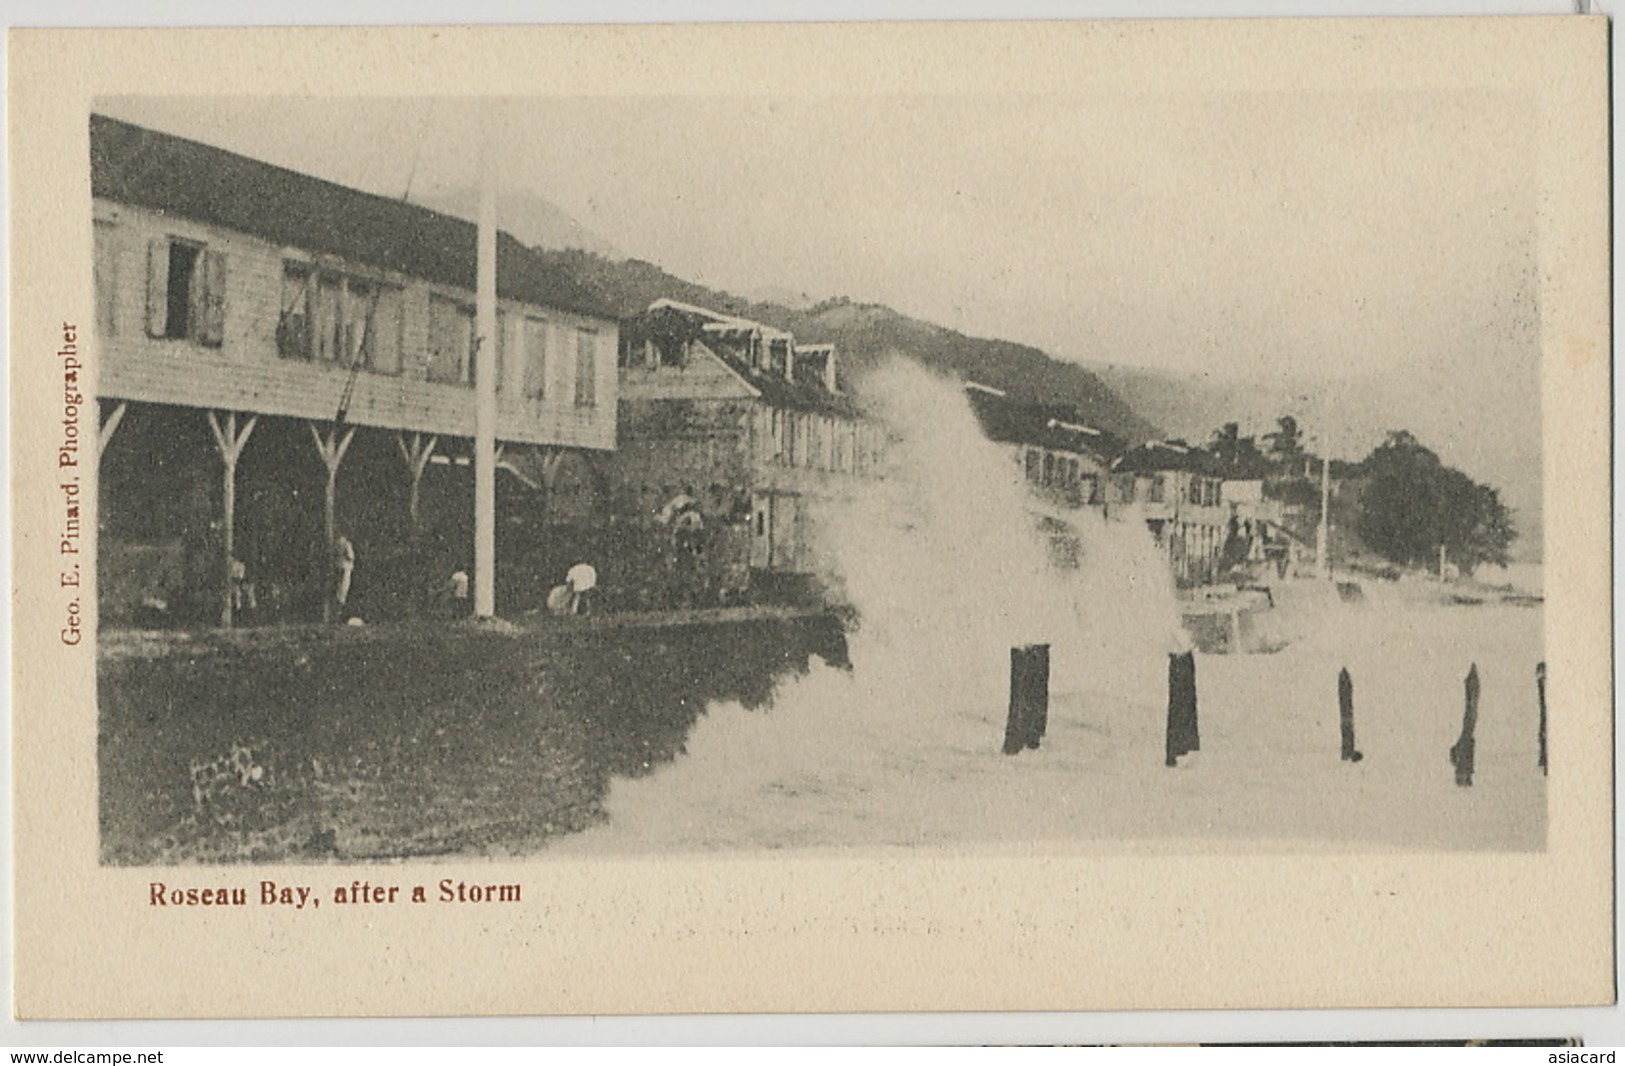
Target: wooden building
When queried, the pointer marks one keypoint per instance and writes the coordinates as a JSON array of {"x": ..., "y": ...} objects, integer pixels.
[
  {"x": 283, "y": 360},
  {"x": 739, "y": 435},
  {"x": 1176, "y": 490},
  {"x": 1062, "y": 457}
]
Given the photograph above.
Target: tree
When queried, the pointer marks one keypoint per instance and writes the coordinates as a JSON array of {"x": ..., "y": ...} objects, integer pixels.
[
  {"x": 1236, "y": 456},
  {"x": 1286, "y": 443},
  {"x": 1413, "y": 504}
]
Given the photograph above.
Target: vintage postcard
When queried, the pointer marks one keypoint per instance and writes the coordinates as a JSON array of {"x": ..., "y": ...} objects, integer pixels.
[{"x": 1034, "y": 516}]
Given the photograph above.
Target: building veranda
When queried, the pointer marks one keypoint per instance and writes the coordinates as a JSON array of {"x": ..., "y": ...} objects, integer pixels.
[{"x": 286, "y": 383}]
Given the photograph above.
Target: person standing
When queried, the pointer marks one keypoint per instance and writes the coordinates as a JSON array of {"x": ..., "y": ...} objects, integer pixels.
[
  {"x": 582, "y": 579},
  {"x": 341, "y": 574}
]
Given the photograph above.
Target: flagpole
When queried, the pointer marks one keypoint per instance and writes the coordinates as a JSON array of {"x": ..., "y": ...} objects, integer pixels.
[{"x": 485, "y": 384}]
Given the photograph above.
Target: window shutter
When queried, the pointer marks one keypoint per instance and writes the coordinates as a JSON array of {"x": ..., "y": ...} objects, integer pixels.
[
  {"x": 212, "y": 299},
  {"x": 586, "y": 380},
  {"x": 535, "y": 358},
  {"x": 158, "y": 287}
]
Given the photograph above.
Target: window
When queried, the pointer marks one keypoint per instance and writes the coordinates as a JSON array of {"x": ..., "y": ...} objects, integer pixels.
[
  {"x": 186, "y": 292},
  {"x": 586, "y": 369},
  {"x": 293, "y": 327},
  {"x": 451, "y": 340},
  {"x": 1048, "y": 477},
  {"x": 1155, "y": 492},
  {"x": 535, "y": 358},
  {"x": 105, "y": 277},
  {"x": 778, "y": 356},
  {"x": 331, "y": 338},
  {"x": 776, "y": 451},
  {"x": 339, "y": 319},
  {"x": 1088, "y": 489},
  {"x": 356, "y": 309},
  {"x": 647, "y": 353},
  {"x": 381, "y": 346}
]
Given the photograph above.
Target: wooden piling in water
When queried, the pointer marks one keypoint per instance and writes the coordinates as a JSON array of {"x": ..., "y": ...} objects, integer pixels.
[
  {"x": 1461, "y": 753},
  {"x": 1345, "y": 715},
  {"x": 1540, "y": 689},
  {"x": 1029, "y": 698},
  {"x": 1183, "y": 734}
]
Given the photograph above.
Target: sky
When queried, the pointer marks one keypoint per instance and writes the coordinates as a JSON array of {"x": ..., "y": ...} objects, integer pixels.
[{"x": 1379, "y": 243}]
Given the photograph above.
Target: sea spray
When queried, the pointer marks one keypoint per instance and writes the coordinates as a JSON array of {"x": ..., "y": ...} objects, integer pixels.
[{"x": 946, "y": 560}]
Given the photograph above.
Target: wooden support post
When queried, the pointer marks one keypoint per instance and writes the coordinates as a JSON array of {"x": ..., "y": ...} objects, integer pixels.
[
  {"x": 552, "y": 461},
  {"x": 524, "y": 471},
  {"x": 331, "y": 447},
  {"x": 1461, "y": 753},
  {"x": 1183, "y": 735},
  {"x": 1029, "y": 697},
  {"x": 1540, "y": 689},
  {"x": 110, "y": 426},
  {"x": 230, "y": 444},
  {"x": 1345, "y": 715},
  {"x": 417, "y": 454}
]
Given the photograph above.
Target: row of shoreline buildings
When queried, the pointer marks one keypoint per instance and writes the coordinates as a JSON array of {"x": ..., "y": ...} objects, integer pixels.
[{"x": 285, "y": 362}]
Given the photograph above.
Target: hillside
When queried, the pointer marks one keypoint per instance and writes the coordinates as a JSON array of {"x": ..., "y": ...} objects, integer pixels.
[{"x": 866, "y": 333}]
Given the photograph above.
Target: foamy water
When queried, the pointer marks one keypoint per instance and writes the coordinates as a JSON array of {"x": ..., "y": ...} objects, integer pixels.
[{"x": 948, "y": 569}]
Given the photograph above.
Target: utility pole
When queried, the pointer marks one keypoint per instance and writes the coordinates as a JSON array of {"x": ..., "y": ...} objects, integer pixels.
[
  {"x": 1323, "y": 560},
  {"x": 485, "y": 380}
]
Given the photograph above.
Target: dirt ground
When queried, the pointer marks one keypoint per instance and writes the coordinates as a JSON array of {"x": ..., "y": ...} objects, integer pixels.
[{"x": 333, "y": 743}]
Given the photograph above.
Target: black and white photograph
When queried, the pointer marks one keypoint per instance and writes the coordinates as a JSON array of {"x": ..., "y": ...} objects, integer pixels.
[
  {"x": 451, "y": 491},
  {"x": 846, "y": 486}
]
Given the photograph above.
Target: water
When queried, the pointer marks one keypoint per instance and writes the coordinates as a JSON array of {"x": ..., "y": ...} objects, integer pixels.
[
  {"x": 947, "y": 565},
  {"x": 945, "y": 561}
]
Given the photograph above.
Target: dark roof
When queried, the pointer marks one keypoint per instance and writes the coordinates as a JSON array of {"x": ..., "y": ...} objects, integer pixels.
[
  {"x": 1051, "y": 426},
  {"x": 1163, "y": 455},
  {"x": 776, "y": 390},
  {"x": 672, "y": 321},
  {"x": 145, "y": 168}
]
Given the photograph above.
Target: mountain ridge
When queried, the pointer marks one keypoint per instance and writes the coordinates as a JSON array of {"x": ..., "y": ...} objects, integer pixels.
[{"x": 865, "y": 334}]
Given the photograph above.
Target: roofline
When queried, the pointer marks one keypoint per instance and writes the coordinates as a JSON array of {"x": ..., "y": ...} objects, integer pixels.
[
  {"x": 584, "y": 308},
  {"x": 1075, "y": 427},
  {"x": 719, "y": 318},
  {"x": 727, "y": 365}
]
